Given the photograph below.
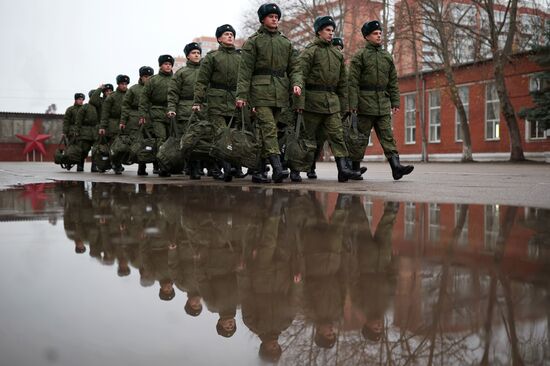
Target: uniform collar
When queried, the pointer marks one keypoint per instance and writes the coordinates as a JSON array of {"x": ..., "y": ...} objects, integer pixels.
[
  {"x": 373, "y": 46},
  {"x": 321, "y": 42},
  {"x": 166, "y": 73},
  {"x": 192, "y": 64},
  {"x": 263, "y": 29},
  {"x": 226, "y": 48}
]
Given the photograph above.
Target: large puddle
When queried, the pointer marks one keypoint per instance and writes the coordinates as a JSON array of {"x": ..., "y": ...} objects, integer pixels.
[{"x": 120, "y": 274}]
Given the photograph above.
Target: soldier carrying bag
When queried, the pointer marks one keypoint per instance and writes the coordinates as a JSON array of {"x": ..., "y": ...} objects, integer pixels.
[
  {"x": 120, "y": 150},
  {"x": 144, "y": 148},
  {"x": 356, "y": 142},
  {"x": 298, "y": 153},
  {"x": 101, "y": 155},
  {"x": 196, "y": 142},
  {"x": 60, "y": 156},
  {"x": 169, "y": 155},
  {"x": 73, "y": 152},
  {"x": 237, "y": 146}
]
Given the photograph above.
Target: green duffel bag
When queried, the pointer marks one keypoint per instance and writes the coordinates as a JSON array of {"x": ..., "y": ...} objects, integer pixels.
[
  {"x": 169, "y": 156},
  {"x": 356, "y": 142},
  {"x": 120, "y": 150},
  {"x": 59, "y": 156},
  {"x": 298, "y": 153},
  {"x": 237, "y": 146},
  {"x": 101, "y": 155},
  {"x": 73, "y": 152},
  {"x": 144, "y": 148},
  {"x": 196, "y": 142}
]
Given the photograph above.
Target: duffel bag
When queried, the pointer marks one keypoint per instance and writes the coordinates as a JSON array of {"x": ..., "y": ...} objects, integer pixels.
[
  {"x": 169, "y": 156},
  {"x": 196, "y": 142},
  {"x": 298, "y": 153},
  {"x": 59, "y": 156},
  {"x": 237, "y": 146},
  {"x": 356, "y": 142},
  {"x": 73, "y": 152},
  {"x": 101, "y": 155},
  {"x": 144, "y": 147},
  {"x": 120, "y": 150}
]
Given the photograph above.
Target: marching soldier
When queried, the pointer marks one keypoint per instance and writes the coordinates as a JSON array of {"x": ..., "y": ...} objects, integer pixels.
[
  {"x": 69, "y": 123},
  {"x": 129, "y": 120},
  {"x": 110, "y": 115},
  {"x": 217, "y": 84},
  {"x": 374, "y": 95},
  {"x": 181, "y": 92},
  {"x": 87, "y": 121},
  {"x": 325, "y": 95},
  {"x": 154, "y": 101},
  {"x": 268, "y": 61}
]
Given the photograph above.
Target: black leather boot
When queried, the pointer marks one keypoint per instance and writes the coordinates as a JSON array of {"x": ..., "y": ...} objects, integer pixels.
[
  {"x": 80, "y": 166},
  {"x": 278, "y": 174},
  {"x": 312, "y": 174},
  {"x": 398, "y": 170},
  {"x": 227, "y": 177},
  {"x": 344, "y": 172},
  {"x": 93, "y": 169},
  {"x": 260, "y": 173},
  {"x": 194, "y": 173},
  {"x": 295, "y": 176},
  {"x": 142, "y": 169},
  {"x": 156, "y": 168},
  {"x": 356, "y": 166},
  {"x": 216, "y": 171},
  {"x": 237, "y": 172}
]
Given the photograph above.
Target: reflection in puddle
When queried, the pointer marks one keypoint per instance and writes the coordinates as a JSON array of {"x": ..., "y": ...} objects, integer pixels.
[{"x": 315, "y": 278}]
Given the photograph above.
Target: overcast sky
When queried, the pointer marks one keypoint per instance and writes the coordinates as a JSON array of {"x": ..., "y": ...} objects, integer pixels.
[{"x": 52, "y": 49}]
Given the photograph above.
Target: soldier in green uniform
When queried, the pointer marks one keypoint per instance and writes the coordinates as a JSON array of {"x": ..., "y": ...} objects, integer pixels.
[
  {"x": 269, "y": 67},
  {"x": 69, "y": 123},
  {"x": 374, "y": 95},
  {"x": 153, "y": 104},
  {"x": 88, "y": 118},
  {"x": 181, "y": 94},
  {"x": 129, "y": 120},
  {"x": 325, "y": 94},
  {"x": 217, "y": 83},
  {"x": 111, "y": 112}
]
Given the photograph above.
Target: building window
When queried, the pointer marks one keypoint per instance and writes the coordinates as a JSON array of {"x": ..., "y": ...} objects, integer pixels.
[
  {"x": 410, "y": 221},
  {"x": 534, "y": 84},
  {"x": 492, "y": 113},
  {"x": 434, "y": 219},
  {"x": 410, "y": 119},
  {"x": 464, "y": 95},
  {"x": 535, "y": 130},
  {"x": 435, "y": 116}
]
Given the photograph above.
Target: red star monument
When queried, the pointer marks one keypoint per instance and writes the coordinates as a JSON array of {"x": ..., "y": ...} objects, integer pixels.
[{"x": 34, "y": 140}]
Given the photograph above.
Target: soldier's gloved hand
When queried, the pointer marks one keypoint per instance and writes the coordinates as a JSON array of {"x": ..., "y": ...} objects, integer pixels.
[
  {"x": 297, "y": 90},
  {"x": 141, "y": 120},
  {"x": 240, "y": 103},
  {"x": 353, "y": 111},
  {"x": 102, "y": 131},
  {"x": 196, "y": 108},
  {"x": 395, "y": 110},
  {"x": 171, "y": 114},
  {"x": 122, "y": 126},
  {"x": 299, "y": 110}
]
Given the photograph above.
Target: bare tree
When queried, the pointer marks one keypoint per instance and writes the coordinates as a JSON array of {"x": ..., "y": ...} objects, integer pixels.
[{"x": 440, "y": 30}]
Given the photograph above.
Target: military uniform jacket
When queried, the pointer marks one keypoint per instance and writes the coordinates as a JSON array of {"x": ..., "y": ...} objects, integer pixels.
[
  {"x": 69, "y": 119},
  {"x": 373, "y": 81},
  {"x": 217, "y": 80},
  {"x": 130, "y": 104},
  {"x": 154, "y": 97},
  {"x": 269, "y": 67},
  {"x": 324, "y": 73},
  {"x": 87, "y": 120},
  {"x": 111, "y": 111},
  {"x": 181, "y": 90}
]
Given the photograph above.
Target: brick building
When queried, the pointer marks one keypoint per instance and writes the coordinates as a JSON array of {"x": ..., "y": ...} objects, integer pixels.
[{"x": 490, "y": 138}]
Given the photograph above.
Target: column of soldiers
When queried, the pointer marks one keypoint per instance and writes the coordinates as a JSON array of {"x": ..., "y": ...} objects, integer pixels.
[
  {"x": 270, "y": 82},
  {"x": 278, "y": 258}
]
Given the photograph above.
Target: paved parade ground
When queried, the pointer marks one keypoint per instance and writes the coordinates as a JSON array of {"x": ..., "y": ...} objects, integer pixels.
[{"x": 525, "y": 184}]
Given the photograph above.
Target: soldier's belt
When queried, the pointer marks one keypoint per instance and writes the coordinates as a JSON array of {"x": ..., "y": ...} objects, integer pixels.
[
  {"x": 227, "y": 87},
  {"x": 317, "y": 87},
  {"x": 272, "y": 72},
  {"x": 165, "y": 105},
  {"x": 187, "y": 98},
  {"x": 372, "y": 88}
]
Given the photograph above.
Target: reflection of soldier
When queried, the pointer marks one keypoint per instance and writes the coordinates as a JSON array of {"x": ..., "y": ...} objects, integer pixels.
[
  {"x": 265, "y": 282},
  {"x": 76, "y": 202},
  {"x": 323, "y": 288},
  {"x": 372, "y": 285}
]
